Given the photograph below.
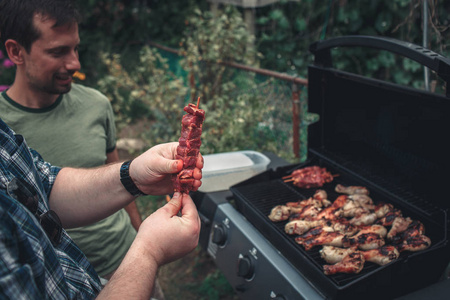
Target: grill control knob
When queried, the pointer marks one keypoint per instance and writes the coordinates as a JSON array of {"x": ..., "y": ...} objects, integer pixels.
[
  {"x": 245, "y": 267},
  {"x": 219, "y": 235}
]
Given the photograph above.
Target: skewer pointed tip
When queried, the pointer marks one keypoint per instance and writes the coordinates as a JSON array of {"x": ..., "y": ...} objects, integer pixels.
[{"x": 198, "y": 102}]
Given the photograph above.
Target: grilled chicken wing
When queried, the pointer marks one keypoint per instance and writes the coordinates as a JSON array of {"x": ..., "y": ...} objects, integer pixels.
[
  {"x": 389, "y": 217},
  {"x": 399, "y": 225},
  {"x": 321, "y": 195},
  {"x": 382, "y": 255},
  {"x": 352, "y": 263},
  {"x": 331, "y": 212},
  {"x": 351, "y": 190},
  {"x": 325, "y": 237},
  {"x": 375, "y": 228},
  {"x": 364, "y": 241},
  {"x": 306, "y": 202},
  {"x": 351, "y": 209},
  {"x": 363, "y": 201},
  {"x": 332, "y": 254},
  {"x": 381, "y": 209},
  {"x": 309, "y": 211},
  {"x": 283, "y": 212},
  {"x": 364, "y": 219},
  {"x": 301, "y": 226},
  {"x": 415, "y": 243},
  {"x": 342, "y": 225}
]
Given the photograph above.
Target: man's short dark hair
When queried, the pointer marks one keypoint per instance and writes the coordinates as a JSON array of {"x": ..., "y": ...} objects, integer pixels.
[{"x": 16, "y": 18}]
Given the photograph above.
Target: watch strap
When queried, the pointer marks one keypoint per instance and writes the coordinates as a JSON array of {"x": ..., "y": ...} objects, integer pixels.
[{"x": 126, "y": 180}]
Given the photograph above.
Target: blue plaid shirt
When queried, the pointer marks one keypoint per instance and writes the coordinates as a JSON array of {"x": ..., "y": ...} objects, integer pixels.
[{"x": 30, "y": 266}]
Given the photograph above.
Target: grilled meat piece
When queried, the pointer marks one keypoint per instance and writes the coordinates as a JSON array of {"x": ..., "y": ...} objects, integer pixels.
[
  {"x": 332, "y": 211},
  {"x": 319, "y": 199},
  {"x": 375, "y": 228},
  {"x": 415, "y": 243},
  {"x": 381, "y": 209},
  {"x": 342, "y": 225},
  {"x": 352, "y": 263},
  {"x": 364, "y": 219},
  {"x": 332, "y": 254},
  {"x": 188, "y": 147},
  {"x": 389, "y": 218},
  {"x": 351, "y": 190},
  {"x": 363, "y": 200},
  {"x": 364, "y": 241},
  {"x": 309, "y": 211},
  {"x": 382, "y": 255},
  {"x": 351, "y": 209},
  {"x": 321, "y": 195},
  {"x": 326, "y": 236},
  {"x": 282, "y": 212},
  {"x": 310, "y": 177},
  {"x": 301, "y": 226},
  {"x": 399, "y": 225},
  {"x": 306, "y": 202}
]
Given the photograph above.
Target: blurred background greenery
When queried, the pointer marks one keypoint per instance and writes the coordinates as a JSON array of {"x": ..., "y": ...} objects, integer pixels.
[{"x": 149, "y": 86}]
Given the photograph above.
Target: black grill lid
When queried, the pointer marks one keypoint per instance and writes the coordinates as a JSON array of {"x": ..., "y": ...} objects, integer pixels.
[{"x": 391, "y": 134}]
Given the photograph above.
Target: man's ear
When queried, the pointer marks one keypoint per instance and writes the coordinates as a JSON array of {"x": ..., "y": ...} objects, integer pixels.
[{"x": 15, "y": 51}]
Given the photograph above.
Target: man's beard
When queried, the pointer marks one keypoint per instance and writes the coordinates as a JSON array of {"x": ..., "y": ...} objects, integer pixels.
[{"x": 50, "y": 87}]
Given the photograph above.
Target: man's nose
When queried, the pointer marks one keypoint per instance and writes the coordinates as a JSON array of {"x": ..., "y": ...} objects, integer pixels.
[{"x": 72, "y": 62}]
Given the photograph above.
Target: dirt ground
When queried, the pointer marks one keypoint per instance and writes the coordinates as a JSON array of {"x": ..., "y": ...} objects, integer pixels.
[{"x": 194, "y": 277}]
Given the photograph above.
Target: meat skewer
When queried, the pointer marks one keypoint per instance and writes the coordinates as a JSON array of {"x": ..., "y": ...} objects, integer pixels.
[
  {"x": 189, "y": 147},
  {"x": 309, "y": 177}
]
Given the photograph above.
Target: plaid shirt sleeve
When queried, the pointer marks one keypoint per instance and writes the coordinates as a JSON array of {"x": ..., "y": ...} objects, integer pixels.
[
  {"x": 30, "y": 266},
  {"x": 46, "y": 172}
]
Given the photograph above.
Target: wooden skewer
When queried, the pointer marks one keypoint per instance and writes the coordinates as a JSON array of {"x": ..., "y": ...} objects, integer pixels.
[{"x": 198, "y": 102}]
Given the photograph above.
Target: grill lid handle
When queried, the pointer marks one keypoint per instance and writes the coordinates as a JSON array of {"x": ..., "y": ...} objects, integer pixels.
[{"x": 426, "y": 57}]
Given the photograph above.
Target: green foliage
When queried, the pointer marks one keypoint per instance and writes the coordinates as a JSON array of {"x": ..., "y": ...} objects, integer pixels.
[
  {"x": 284, "y": 46},
  {"x": 7, "y": 71},
  {"x": 214, "y": 287},
  {"x": 149, "y": 92},
  {"x": 237, "y": 117}
]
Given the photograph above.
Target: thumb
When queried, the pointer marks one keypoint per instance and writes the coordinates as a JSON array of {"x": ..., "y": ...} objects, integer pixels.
[
  {"x": 174, "y": 204},
  {"x": 173, "y": 166}
]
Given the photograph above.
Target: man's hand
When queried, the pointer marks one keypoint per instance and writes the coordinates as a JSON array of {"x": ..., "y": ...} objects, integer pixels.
[
  {"x": 163, "y": 237},
  {"x": 150, "y": 170},
  {"x": 167, "y": 235}
]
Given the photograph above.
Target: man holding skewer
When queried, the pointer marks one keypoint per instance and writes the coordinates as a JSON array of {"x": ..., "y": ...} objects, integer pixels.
[{"x": 37, "y": 258}]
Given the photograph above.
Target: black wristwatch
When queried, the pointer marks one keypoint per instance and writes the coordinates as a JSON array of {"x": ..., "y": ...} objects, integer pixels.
[{"x": 127, "y": 181}]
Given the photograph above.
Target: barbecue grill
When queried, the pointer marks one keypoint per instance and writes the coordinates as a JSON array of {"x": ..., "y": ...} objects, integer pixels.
[{"x": 372, "y": 133}]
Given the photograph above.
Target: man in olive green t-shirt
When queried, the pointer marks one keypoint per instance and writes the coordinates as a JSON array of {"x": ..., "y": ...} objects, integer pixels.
[{"x": 78, "y": 130}]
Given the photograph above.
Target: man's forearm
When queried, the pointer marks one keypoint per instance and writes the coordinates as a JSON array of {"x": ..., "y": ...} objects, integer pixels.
[
  {"x": 135, "y": 277},
  {"x": 84, "y": 196}
]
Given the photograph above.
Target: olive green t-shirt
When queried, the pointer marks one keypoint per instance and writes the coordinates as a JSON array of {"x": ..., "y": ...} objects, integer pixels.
[{"x": 77, "y": 131}]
